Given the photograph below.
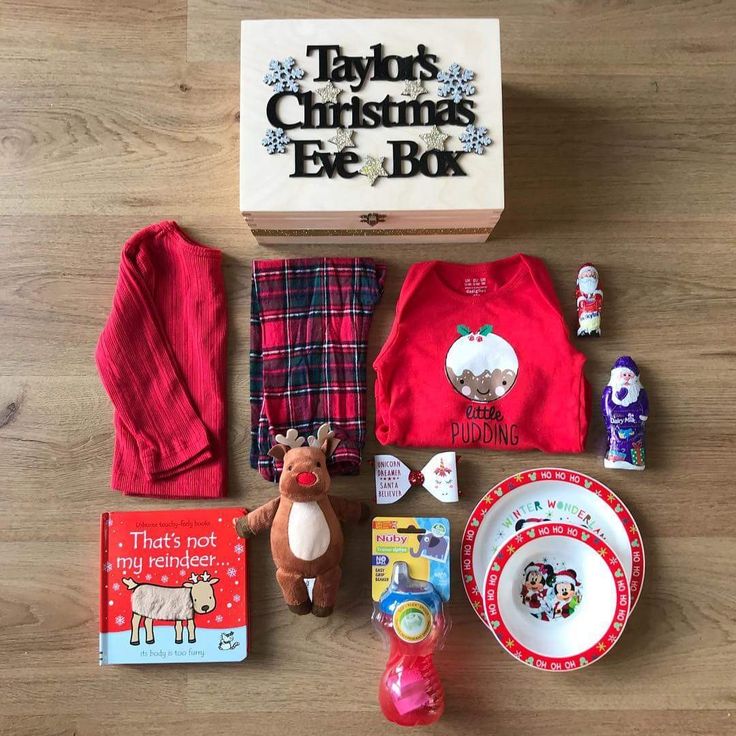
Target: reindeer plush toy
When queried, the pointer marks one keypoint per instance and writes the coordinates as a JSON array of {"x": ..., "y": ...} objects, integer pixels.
[{"x": 306, "y": 537}]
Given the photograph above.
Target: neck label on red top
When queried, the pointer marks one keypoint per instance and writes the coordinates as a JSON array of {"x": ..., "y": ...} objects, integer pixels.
[{"x": 476, "y": 285}]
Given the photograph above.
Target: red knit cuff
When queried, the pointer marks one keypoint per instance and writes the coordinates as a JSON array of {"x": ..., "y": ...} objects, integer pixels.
[
  {"x": 208, "y": 482},
  {"x": 195, "y": 453}
]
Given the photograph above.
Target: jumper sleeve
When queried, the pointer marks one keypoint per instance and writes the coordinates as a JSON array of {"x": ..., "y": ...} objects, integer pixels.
[{"x": 140, "y": 374}]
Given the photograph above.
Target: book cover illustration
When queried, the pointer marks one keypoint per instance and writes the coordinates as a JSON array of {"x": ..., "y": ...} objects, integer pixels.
[{"x": 173, "y": 587}]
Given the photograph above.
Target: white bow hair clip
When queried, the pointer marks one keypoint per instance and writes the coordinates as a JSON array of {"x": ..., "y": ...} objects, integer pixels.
[{"x": 394, "y": 479}]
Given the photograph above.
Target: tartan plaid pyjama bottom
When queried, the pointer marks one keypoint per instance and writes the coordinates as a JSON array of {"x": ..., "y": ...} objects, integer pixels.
[{"x": 309, "y": 330}]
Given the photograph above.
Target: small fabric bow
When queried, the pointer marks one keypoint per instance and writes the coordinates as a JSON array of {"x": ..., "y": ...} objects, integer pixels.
[{"x": 394, "y": 479}]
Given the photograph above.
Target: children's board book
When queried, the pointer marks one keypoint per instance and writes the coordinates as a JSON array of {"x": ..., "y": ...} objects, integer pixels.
[{"x": 173, "y": 587}]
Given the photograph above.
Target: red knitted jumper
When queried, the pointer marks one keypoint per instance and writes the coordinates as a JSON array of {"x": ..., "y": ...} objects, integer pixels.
[{"x": 162, "y": 359}]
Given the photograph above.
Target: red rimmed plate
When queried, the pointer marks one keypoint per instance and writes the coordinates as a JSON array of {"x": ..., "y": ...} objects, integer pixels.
[
  {"x": 577, "y": 611},
  {"x": 541, "y": 495}
]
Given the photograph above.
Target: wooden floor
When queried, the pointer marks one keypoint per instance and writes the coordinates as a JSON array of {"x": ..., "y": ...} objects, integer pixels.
[{"x": 620, "y": 149}]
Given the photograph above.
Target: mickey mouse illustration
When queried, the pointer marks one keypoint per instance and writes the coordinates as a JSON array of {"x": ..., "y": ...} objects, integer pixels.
[
  {"x": 523, "y": 522},
  {"x": 566, "y": 592},
  {"x": 538, "y": 576}
]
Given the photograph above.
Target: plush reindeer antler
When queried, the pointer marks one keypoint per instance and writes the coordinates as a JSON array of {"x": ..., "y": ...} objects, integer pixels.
[
  {"x": 205, "y": 576},
  {"x": 325, "y": 440},
  {"x": 291, "y": 439},
  {"x": 323, "y": 433},
  {"x": 194, "y": 577}
]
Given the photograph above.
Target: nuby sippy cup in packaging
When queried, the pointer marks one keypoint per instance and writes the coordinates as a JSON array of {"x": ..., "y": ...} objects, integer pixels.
[{"x": 411, "y": 583}]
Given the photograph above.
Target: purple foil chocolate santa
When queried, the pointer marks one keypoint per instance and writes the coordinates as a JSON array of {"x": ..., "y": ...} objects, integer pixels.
[{"x": 625, "y": 410}]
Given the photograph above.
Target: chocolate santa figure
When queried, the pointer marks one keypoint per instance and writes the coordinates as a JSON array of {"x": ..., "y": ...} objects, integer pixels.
[
  {"x": 625, "y": 410},
  {"x": 589, "y": 301}
]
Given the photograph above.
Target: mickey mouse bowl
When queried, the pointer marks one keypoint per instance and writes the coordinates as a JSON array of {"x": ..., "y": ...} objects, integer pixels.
[{"x": 556, "y": 597}]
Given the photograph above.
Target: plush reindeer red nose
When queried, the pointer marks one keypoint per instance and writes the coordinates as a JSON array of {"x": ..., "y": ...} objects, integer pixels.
[{"x": 306, "y": 479}]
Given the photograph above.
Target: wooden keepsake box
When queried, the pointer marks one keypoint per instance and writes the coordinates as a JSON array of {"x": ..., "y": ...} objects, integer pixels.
[{"x": 378, "y": 130}]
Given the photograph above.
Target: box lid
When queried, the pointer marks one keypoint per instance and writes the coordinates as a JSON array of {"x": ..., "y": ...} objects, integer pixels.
[{"x": 331, "y": 51}]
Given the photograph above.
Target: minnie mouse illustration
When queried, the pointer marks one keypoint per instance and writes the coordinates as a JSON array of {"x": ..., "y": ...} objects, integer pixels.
[{"x": 538, "y": 577}]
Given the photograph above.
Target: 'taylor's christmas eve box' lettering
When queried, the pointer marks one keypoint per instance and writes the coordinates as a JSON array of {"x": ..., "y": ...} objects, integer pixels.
[{"x": 372, "y": 129}]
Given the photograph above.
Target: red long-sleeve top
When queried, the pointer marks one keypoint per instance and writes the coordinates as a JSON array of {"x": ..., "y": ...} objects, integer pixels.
[
  {"x": 162, "y": 360},
  {"x": 479, "y": 356}
]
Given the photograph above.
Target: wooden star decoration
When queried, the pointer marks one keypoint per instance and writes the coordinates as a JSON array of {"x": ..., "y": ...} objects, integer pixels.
[
  {"x": 435, "y": 139},
  {"x": 343, "y": 138},
  {"x": 373, "y": 169},
  {"x": 413, "y": 88},
  {"x": 328, "y": 93}
]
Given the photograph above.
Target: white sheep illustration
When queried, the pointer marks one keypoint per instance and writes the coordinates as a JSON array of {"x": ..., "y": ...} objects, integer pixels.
[{"x": 150, "y": 602}]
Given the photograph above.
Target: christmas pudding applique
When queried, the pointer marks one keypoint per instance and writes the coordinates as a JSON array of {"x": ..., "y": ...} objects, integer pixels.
[{"x": 480, "y": 365}]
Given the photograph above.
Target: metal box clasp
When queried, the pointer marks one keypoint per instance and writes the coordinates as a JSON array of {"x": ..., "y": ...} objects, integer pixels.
[{"x": 372, "y": 218}]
